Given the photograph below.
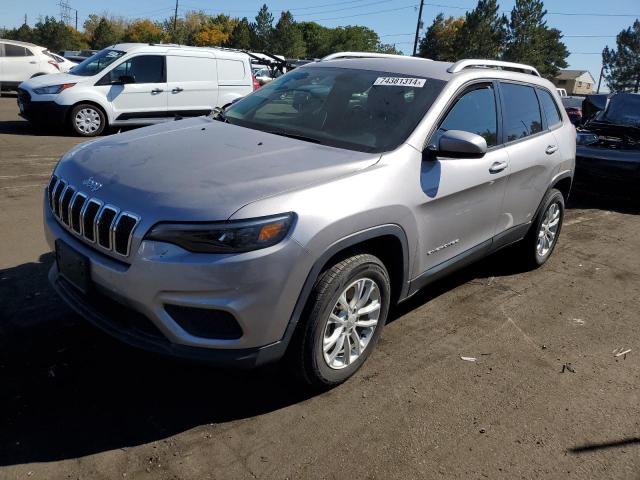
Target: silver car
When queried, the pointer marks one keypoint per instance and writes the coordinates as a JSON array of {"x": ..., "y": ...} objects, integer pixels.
[{"x": 289, "y": 224}]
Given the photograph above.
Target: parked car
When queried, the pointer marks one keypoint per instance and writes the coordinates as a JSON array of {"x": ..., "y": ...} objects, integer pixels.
[
  {"x": 573, "y": 107},
  {"x": 79, "y": 56},
  {"x": 137, "y": 84},
  {"x": 20, "y": 61},
  {"x": 263, "y": 75},
  {"x": 609, "y": 143},
  {"x": 63, "y": 64},
  {"x": 288, "y": 224}
]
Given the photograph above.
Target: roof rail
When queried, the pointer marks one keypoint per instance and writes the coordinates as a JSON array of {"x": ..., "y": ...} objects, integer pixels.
[
  {"x": 339, "y": 55},
  {"x": 474, "y": 63}
]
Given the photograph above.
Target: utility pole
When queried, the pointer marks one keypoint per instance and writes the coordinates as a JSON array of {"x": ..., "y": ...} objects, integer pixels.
[
  {"x": 25, "y": 19},
  {"x": 415, "y": 42},
  {"x": 175, "y": 21},
  {"x": 76, "y": 19},
  {"x": 600, "y": 79}
]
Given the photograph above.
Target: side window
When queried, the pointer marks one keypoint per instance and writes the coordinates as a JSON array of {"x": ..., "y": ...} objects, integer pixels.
[
  {"x": 143, "y": 69},
  {"x": 521, "y": 111},
  {"x": 550, "y": 108},
  {"x": 14, "y": 51},
  {"x": 475, "y": 112}
]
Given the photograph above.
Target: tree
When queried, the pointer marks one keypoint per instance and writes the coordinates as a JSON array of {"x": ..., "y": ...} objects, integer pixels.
[
  {"x": 623, "y": 64},
  {"x": 242, "y": 35},
  {"x": 483, "y": 33},
  {"x": 287, "y": 38},
  {"x": 388, "y": 48},
  {"x": 118, "y": 25},
  {"x": 354, "y": 39},
  {"x": 316, "y": 38},
  {"x": 263, "y": 28},
  {"x": 103, "y": 35},
  {"x": 56, "y": 35},
  {"x": 438, "y": 42},
  {"x": 210, "y": 36},
  {"x": 530, "y": 41},
  {"x": 144, "y": 31}
]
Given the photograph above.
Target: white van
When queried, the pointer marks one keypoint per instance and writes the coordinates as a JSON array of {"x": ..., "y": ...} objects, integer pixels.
[
  {"x": 137, "y": 84},
  {"x": 20, "y": 61}
]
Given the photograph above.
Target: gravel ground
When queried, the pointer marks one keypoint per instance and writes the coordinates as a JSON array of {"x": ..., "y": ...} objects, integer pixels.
[{"x": 546, "y": 397}]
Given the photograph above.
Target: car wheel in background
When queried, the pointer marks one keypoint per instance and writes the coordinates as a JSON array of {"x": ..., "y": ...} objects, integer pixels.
[
  {"x": 543, "y": 235},
  {"x": 87, "y": 120},
  {"x": 344, "y": 318}
]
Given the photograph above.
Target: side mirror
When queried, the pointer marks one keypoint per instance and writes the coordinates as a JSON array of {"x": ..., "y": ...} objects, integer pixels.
[
  {"x": 125, "y": 79},
  {"x": 459, "y": 144}
]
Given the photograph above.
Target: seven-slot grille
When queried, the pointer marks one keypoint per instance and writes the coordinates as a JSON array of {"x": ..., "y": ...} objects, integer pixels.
[{"x": 89, "y": 218}]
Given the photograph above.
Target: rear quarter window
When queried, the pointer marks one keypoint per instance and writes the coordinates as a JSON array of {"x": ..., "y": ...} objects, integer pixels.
[
  {"x": 230, "y": 70},
  {"x": 522, "y": 117},
  {"x": 550, "y": 108}
]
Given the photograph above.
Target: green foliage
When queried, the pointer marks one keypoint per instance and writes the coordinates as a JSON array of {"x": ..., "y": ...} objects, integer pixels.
[
  {"x": 438, "y": 42},
  {"x": 530, "y": 41},
  {"x": 144, "y": 31},
  {"x": 242, "y": 36},
  {"x": 103, "y": 35},
  {"x": 263, "y": 28},
  {"x": 622, "y": 66},
  {"x": 318, "y": 39},
  {"x": 483, "y": 33},
  {"x": 287, "y": 38},
  {"x": 55, "y": 35}
]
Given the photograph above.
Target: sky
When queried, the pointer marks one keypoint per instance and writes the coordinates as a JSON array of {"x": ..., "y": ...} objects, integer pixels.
[{"x": 588, "y": 25}]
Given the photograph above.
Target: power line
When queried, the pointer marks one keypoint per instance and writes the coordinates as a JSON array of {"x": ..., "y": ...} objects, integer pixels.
[
  {"x": 345, "y": 8},
  {"x": 367, "y": 13}
]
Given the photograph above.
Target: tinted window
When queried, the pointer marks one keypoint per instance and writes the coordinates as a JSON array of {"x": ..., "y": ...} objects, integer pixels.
[
  {"x": 355, "y": 109},
  {"x": 521, "y": 111},
  {"x": 474, "y": 112},
  {"x": 15, "y": 51},
  {"x": 144, "y": 69},
  {"x": 550, "y": 108}
]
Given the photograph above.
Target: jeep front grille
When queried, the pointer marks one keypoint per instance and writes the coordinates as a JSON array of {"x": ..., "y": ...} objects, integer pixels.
[{"x": 89, "y": 218}]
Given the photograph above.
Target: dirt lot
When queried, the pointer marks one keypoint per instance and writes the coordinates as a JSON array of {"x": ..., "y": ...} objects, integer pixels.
[{"x": 546, "y": 398}]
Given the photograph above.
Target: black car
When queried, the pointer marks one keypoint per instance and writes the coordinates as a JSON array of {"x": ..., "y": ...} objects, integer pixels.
[{"x": 608, "y": 144}]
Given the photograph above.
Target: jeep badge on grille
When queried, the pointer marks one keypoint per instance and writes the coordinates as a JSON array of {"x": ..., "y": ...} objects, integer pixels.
[{"x": 92, "y": 184}]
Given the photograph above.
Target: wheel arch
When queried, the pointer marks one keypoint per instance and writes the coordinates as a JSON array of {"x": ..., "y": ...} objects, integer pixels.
[{"x": 388, "y": 242}]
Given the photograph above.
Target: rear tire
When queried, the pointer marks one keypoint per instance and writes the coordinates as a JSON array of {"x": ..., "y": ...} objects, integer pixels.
[
  {"x": 543, "y": 235},
  {"x": 87, "y": 120},
  {"x": 345, "y": 315}
]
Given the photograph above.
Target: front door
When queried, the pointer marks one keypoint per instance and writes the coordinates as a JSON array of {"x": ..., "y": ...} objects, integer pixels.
[
  {"x": 146, "y": 96},
  {"x": 462, "y": 197}
]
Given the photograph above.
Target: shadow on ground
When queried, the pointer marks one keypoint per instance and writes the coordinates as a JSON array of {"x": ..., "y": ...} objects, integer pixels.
[{"x": 68, "y": 390}]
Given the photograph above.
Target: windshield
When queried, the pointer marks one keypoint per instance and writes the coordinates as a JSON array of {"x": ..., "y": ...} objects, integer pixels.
[
  {"x": 96, "y": 63},
  {"x": 623, "y": 109},
  {"x": 355, "y": 109}
]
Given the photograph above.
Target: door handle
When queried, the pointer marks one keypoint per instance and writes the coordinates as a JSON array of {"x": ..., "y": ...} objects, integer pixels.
[
  {"x": 551, "y": 149},
  {"x": 157, "y": 90},
  {"x": 33, "y": 63},
  {"x": 177, "y": 90},
  {"x": 497, "y": 167}
]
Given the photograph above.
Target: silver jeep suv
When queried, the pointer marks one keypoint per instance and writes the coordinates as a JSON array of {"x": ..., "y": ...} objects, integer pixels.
[{"x": 288, "y": 224}]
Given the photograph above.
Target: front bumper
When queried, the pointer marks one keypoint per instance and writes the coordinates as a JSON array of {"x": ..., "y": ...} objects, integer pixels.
[
  {"x": 44, "y": 112},
  {"x": 260, "y": 289}
]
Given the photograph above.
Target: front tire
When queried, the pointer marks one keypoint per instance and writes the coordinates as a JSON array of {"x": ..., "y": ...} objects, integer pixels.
[
  {"x": 87, "y": 120},
  {"x": 543, "y": 235},
  {"x": 344, "y": 319}
]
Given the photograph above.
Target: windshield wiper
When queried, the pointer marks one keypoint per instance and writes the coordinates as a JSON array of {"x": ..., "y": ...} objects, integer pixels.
[
  {"x": 293, "y": 135},
  {"x": 218, "y": 114}
]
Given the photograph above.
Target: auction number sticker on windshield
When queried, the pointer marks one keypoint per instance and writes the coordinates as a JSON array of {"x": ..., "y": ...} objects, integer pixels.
[{"x": 400, "y": 81}]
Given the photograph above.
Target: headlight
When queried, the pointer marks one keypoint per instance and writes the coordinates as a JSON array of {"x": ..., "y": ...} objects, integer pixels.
[
  {"x": 586, "y": 138},
  {"x": 53, "y": 89},
  {"x": 225, "y": 237}
]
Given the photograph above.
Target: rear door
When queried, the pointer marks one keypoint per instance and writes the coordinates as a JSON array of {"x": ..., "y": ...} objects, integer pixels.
[
  {"x": 533, "y": 152},
  {"x": 192, "y": 83},
  {"x": 146, "y": 97},
  {"x": 20, "y": 63},
  {"x": 463, "y": 195}
]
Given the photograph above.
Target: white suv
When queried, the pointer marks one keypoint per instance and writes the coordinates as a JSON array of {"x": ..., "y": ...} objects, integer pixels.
[
  {"x": 20, "y": 61},
  {"x": 137, "y": 84}
]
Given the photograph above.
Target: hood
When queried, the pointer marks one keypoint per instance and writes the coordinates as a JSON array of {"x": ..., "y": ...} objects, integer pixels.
[
  {"x": 618, "y": 125},
  {"x": 52, "y": 79},
  {"x": 202, "y": 169}
]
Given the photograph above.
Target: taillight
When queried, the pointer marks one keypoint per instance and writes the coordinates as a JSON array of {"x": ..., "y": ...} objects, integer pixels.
[
  {"x": 55, "y": 64},
  {"x": 256, "y": 83}
]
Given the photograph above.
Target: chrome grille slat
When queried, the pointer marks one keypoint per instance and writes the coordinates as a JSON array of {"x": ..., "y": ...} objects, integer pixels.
[{"x": 90, "y": 219}]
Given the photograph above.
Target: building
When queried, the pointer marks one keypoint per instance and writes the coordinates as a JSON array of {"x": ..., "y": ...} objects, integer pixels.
[{"x": 575, "y": 82}]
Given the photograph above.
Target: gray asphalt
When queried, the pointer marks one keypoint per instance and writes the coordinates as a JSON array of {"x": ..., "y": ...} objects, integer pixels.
[{"x": 545, "y": 398}]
